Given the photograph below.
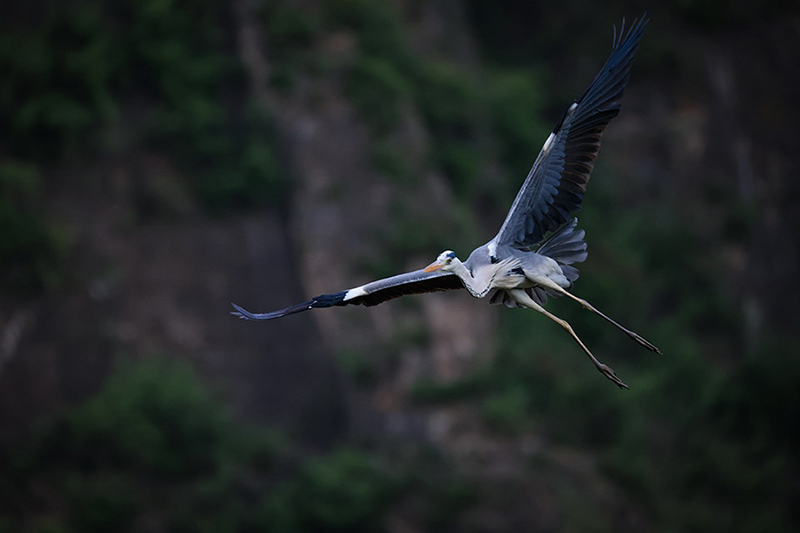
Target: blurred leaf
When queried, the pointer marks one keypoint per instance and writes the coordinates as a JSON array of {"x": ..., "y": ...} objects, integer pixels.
[
  {"x": 344, "y": 491},
  {"x": 377, "y": 90}
]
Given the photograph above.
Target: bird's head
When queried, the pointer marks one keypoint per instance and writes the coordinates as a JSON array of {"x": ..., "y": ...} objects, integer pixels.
[{"x": 445, "y": 262}]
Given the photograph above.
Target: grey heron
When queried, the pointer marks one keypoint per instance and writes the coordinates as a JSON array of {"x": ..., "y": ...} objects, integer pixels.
[{"x": 533, "y": 254}]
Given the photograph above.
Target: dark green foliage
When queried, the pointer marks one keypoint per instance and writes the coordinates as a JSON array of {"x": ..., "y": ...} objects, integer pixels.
[
  {"x": 719, "y": 16},
  {"x": 446, "y": 99},
  {"x": 385, "y": 80},
  {"x": 241, "y": 168},
  {"x": 377, "y": 25},
  {"x": 103, "y": 502},
  {"x": 503, "y": 29},
  {"x": 291, "y": 33},
  {"x": 448, "y": 498},
  {"x": 155, "y": 416},
  {"x": 390, "y": 161},
  {"x": 345, "y": 491},
  {"x": 425, "y": 391},
  {"x": 72, "y": 75},
  {"x": 377, "y": 78},
  {"x": 377, "y": 91},
  {"x": 692, "y": 440},
  {"x": 152, "y": 441},
  {"x": 59, "y": 77},
  {"x": 417, "y": 232},
  {"x": 729, "y": 447},
  {"x": 359, "y": 366},
  {"x": 706, "y": 440},
  {"x": 155, "y": 445},
  {"x": 507, "y": 410},
  {"x": 516, "y": 99},
  {"x": 110, "y": 78},
  {"x": 288, "y": 28},
  {"x": 461, "y": 163},
  {"x": 449, "y": 103},
  {"x": 227, "y": 149},
  {"x": 30, "y": 250}
]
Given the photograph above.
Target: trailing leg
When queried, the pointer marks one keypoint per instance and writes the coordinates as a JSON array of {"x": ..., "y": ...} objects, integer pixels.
[
  {"x": 522, "y": 298},
  {"x": 586, "y": 305}
]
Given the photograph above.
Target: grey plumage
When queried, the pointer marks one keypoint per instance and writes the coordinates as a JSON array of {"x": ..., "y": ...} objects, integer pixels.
[
  {"x": 534, "y": 253},
  {"x": 566, "y": 246}
]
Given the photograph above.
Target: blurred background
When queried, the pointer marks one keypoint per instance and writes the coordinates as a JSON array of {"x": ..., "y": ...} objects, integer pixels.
[{"x": 161, "y": 158}]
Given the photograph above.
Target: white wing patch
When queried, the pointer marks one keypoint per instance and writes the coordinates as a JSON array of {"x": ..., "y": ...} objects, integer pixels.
[
  {"x": 548, "y": 142},
  {"x": 354, "y": 293}
]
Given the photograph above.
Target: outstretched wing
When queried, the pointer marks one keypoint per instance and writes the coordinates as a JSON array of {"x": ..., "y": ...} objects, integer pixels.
[
  {"x": 374, "y": 293},
  {"x": 557, "y": 181}
]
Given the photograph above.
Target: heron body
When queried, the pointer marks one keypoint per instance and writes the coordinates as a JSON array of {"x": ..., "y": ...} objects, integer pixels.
[{"x": 532, "y": 256}]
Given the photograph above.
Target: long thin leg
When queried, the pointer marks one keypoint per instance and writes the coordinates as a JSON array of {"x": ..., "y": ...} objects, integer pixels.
[
  {"x": 586, "y": 305},
  {"x": 523, "y": 298}
]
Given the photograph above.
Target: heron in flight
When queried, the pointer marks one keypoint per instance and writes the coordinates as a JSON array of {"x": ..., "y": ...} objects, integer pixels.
[{"x": 533, "y": 254}]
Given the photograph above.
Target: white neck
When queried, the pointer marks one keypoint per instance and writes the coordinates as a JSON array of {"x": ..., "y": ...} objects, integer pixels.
[{"x": 483, "y": 281}]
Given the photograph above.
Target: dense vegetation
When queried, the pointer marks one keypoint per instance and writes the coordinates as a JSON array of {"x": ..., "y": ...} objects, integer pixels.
[
  {"x": 113, "y": 79},
  {"x": 706, "y": 440}
]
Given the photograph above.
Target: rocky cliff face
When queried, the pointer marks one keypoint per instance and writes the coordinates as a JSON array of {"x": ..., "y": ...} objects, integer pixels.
[
  {"x": 342, "y": 208},
  {"x": 189, "y": 154},
  {"x": 165, "y": 287}
]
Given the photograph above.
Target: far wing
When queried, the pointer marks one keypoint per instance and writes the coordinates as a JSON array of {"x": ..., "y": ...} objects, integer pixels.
[
  {"x": 374, "y": 293},
  {"x": 557, "y": 181}
]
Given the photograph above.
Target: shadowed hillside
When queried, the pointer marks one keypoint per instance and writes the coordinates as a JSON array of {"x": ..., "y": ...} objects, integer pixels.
[{"x": 160, "y": 159}]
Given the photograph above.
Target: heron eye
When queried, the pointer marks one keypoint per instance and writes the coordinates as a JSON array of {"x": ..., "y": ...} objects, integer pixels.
[{"x": 449, "y": 260}]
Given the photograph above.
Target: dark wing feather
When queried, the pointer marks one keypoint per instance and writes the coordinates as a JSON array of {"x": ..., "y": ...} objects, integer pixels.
[
  {"x": 557, "y": 181},
  {"x": 416, "y": 282},
  {"x": 374, "y": 293}
]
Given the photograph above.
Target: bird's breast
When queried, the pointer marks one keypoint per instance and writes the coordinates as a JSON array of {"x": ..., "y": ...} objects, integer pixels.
[{"x": 511, "y": 279}]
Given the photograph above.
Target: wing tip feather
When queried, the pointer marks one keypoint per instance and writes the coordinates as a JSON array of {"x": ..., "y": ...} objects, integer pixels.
[{"x": 243, "y": 313}]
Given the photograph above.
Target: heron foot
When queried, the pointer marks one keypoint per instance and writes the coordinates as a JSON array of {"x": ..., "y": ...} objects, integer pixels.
[
  {"x": 586, "y": 305},
  {"x": 643, "y": 342},
  {"x": 608, "y": 372},
  {"x": 523, "y": 298}
]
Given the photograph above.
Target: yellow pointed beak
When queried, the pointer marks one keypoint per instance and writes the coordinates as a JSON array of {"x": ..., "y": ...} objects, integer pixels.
[{"x": 436, "y": 265}]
